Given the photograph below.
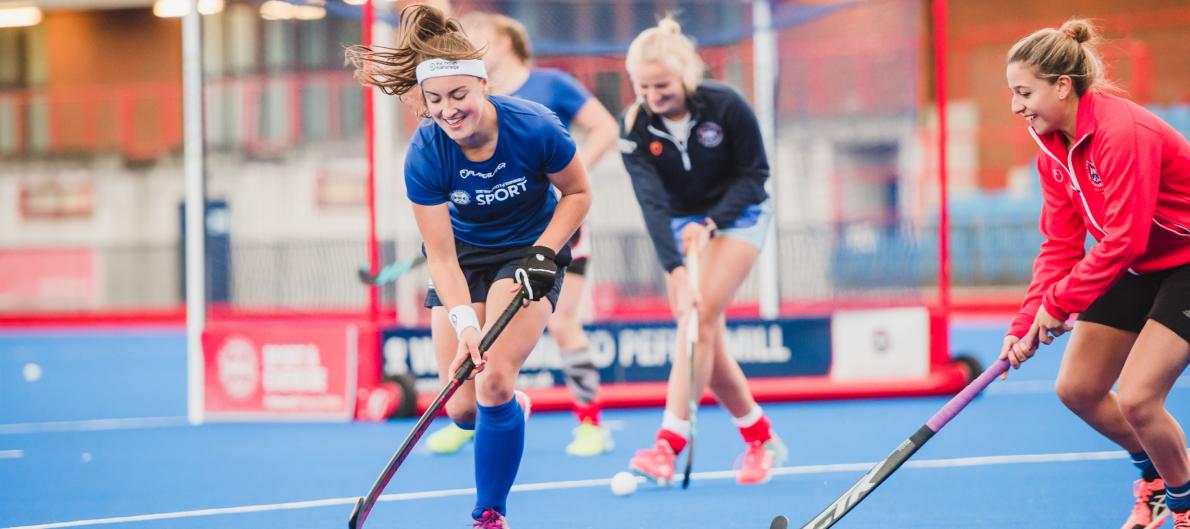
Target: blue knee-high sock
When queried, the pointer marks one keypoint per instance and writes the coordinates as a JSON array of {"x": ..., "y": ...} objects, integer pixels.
[
  {"x": 1141, "y": 460},
  {"x": 499, "y": 442},
  {"x": 1178, "y": 498}
]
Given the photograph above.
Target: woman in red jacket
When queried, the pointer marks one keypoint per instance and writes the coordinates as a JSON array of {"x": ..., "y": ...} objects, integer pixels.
[{"x": 1112, "y": 169}]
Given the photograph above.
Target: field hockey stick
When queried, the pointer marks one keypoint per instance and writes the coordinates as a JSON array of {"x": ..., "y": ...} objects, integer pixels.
[
  {"x": 1159, "y": 519},
  {"x": 365, "y": 504},
  {"x": 390, "y": 272},
  {"x": 691, "y": 345},
  {"x": 835, "y": 511}
]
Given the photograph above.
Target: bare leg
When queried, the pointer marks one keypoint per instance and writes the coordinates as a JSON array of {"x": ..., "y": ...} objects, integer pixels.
[
  {"x": 565, "y": 325},
  {"x": 578, "y": 368},
  {"x": 1090, "y": 366},
  {"x": 1156, "y": 361},
  {"x": 500, "y": 432},
  {"x": 728, "y": 382},
  {"x": 727, "y": 262},
  {"x": 461, "y": 407},
  {"x": 494, "y": 386}
]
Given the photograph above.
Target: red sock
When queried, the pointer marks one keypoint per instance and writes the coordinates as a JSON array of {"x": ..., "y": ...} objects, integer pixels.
[
  {"x": 759, "y": 432},
  {"x": 675, "y": 441},
  {"x": 588, "y": 412}
]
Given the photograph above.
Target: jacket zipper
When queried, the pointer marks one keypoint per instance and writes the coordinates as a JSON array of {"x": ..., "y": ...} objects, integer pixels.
[
  {"x": 680, "y": 145},
  {"x": 1069, "y": 167}
]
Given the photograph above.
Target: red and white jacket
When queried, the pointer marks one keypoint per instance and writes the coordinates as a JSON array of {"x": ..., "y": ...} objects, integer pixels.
[{"x": 1126, "y": 181}]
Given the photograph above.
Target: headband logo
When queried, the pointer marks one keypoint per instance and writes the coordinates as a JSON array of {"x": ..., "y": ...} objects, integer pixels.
[{"x": 432, "y": 68}]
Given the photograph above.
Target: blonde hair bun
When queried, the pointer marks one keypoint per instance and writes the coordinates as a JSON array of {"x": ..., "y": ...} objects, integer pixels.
[
  {"x": 1069, "y": 50},
  {"x": 665, "y": 44},
  {"x": 1081, "y": 30},
  {"x": 669, "y": 25}
]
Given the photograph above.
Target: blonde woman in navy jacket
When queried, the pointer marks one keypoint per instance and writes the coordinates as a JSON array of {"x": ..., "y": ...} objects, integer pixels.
[{"x": 693, "y": 150}]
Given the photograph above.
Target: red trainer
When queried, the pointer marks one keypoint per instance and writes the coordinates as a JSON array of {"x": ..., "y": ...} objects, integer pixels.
[
  {"x": 1181, "y": 520},
  {"x": 655, "y": 463},
  {"x": 490, "y": 519},
  {"x": 756, "y": 464},
  {"x": 1149, "y": 506}
]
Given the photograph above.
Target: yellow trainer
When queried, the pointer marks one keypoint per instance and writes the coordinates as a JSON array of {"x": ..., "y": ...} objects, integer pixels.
[
  {"x": 590, "y": 440},
  {"x": 449, "y": 439}
]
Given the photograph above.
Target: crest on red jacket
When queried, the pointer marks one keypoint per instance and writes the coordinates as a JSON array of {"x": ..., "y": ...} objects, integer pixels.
[
  {"x": 1094, "y": 175},
  {"x": 1058, "y": 176}
]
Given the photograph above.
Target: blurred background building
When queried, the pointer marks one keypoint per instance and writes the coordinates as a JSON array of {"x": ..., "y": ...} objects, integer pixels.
[{"x": 91, "y": 177}]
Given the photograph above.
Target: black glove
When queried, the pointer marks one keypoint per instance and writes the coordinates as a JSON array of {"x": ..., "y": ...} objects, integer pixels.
[{"x": 537, "y": 271}]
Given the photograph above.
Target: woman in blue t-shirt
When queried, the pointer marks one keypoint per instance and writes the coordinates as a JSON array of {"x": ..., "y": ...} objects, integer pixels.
[
  {"x": 508, "y": 57},
  {"x": 480, "y": 173}
]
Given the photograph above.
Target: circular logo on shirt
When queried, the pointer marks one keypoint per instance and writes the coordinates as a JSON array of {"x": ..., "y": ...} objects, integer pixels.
[
  {"x": 1094, "y": 175},
  {"x": 655, "y": 147},
  {"x": 460, "y": 197},
  {"x": 1058, "y": 176},
  {"x": 710, "y": 134}
]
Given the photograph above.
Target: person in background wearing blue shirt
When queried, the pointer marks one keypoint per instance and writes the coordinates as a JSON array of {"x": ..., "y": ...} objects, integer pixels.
[
  {"x": 481, "y": 173},
  {"x": 507, "y": 56}
]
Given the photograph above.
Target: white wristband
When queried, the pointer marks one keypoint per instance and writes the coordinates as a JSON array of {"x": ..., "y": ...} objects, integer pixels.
[{"x": 462, "y": 317}]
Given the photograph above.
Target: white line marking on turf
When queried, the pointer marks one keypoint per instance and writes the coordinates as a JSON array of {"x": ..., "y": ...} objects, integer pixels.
[
  {"x": 591, "y": 483},
  {"x": 11, "y": 454},
  {"x": 614, "y": 424},
  {"x": 1032, "y": 387},
  {"x": 132, "y": 423}
]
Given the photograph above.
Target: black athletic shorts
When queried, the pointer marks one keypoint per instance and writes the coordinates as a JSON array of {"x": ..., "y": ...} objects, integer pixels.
[
  {"x": 484, "y": 266},
  {"x": 578, "y": 266},
  {"x": 1162, "y": 296}
]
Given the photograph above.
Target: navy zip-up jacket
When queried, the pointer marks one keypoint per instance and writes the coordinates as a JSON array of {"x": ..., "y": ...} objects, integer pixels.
[{"x": 719, "y": 174}]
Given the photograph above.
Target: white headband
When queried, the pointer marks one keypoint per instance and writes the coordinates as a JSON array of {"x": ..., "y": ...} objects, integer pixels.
[{"x": 442, "y": 68}]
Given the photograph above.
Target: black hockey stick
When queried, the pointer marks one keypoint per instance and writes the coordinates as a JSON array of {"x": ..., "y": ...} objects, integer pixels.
[{"x": 691, "y": 346}]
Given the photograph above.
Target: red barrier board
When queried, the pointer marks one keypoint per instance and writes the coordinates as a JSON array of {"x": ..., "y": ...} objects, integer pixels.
[
  {"x": 48, "y": 278},
  {"x": 283, "y": 370}
]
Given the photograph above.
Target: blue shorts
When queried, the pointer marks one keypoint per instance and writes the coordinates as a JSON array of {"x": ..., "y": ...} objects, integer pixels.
[
  {"x": 751, "y": 226},
  {"x": 484, "y": 266}
]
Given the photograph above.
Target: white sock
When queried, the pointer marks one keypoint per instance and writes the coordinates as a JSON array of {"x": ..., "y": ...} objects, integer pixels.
[
  {"x": 749, "y": 418},
  {"x": 672, "y": 423}
]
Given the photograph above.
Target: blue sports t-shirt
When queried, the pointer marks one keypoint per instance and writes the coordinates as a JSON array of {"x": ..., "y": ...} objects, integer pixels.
[
  {"x": 505, "y": 200},
  {"x": 555, "y": 89}
]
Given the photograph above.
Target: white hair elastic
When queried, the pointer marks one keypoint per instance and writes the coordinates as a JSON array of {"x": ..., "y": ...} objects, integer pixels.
[{"x": 441, "y": 68}]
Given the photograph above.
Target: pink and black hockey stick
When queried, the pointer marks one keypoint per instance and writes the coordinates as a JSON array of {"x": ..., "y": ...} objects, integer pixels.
[
  {"x": 835, "y": 511},
  {"x": 365, "y": 504}
]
